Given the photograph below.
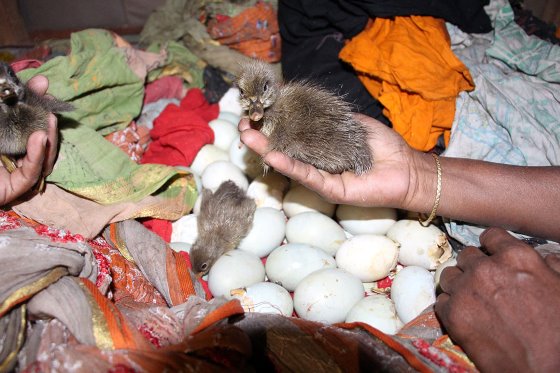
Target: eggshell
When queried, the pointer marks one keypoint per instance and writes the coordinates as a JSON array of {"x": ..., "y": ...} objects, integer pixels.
[
  {"x": 268, "y": 190},
  {"x": 265, "y": 297},
  {"x": 185, "y": 229},
  {"x": 218, "y": 172},
  {"x": 230, "y": 117},
  {"x": 448, "y": 263},
  {"x": 368, "y": 257},
  {"x": 315, "y": 229},
  {"x": 300, "y": 199},
  {"x": 413, "y": 290},
  {"x": 230, "y": 102},
  {"x": 376, "y": 310},
  {"x": 426, "y": 247},
  {"x": 288, "y": 264},
  {"x": 267, "y": 232},
  {"x": 366, "y": 220},
  {"x": 180, "y": 246},
  {"x": 224, "y": 133},
  {"x": 206, "y": 155},
  {"x": 235, "y": 269},
  {"x": 327, "y": 295},
  {"x": 246, "y": 159}
]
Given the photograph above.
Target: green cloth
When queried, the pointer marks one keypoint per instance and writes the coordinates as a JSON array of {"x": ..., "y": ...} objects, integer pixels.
[
  {"x": 179, "y": 55},
  {"x": 107, "y": 95}
]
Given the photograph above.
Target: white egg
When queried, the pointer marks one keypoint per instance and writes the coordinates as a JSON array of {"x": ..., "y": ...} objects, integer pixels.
[
  {"x": 246, "y": 159},
  {"x": 230, "y": 102},
  {"x": 448, "y": 263},
  {"x": 180, "y": 246},
  {"x": 426, "y": 247},
  {"x": 197, "y": 203},
  {"x": 300, "y": 199},
  {"x": 267, "y": 232},
  {"x": 206, "y": 155},
  {"x": 218, "y": 172},
  {"x": 376, "y": 310},
  {"x": 288, "y": 264},
  {"x": 368, "y": 257},
  {"x": 235, "y": 269},
  {"x": 317, "y": 230},
  {"x": 185, "y": 229},
  {"x": 224, "y": 133},
  {"x": 265, "y": 297},
  {"x": 268, "y": 190},
  {"x": 327, "y": 295},
  {"x": 413, "y": 290},
  {"x": 366, "y": 220},
  {"x": 230, "y": 117}
]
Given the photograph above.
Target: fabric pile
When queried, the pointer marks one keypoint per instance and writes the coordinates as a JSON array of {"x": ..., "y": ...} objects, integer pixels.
[{"x": 87, "y": 276}]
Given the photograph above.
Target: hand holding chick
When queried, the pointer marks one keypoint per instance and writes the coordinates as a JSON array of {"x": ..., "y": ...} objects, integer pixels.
[{"x": 40, "y": 156}]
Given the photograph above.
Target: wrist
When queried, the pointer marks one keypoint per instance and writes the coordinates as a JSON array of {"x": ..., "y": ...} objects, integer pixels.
[{"x": 422, "y": 185}]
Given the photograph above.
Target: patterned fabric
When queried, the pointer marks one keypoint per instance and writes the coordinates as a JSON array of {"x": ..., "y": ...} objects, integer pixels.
[{"x": 513, "y": 115}]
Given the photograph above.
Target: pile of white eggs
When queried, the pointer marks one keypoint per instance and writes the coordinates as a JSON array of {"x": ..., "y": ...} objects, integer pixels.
[{"x": 304, "y": 254}]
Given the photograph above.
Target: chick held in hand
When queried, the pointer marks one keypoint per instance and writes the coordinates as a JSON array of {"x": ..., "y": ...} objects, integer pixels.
[
  {"x": 22, "y": 112},
  {"x": 304, "y": 120},
  {"x": 225, "y": 218}
]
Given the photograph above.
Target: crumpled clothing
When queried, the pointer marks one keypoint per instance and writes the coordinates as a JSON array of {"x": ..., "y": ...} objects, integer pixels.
[
  {"x": 407, "y": 64},
  {"x": 170, "y": 87},
  {"x": 140, "y": 62},
  {"x": 133, "y": 140},
  {"x": 180, "y": 131},
  {"x": 61, "y": 306},
  {"x": 63, "y": 210},
  {"x": 107, "y": 95},
  {"x": 513, "y": 116},
  {"x": 180, "y": 62},
  {"x": 152, "y": 110},
  {"x": 254, "y": 32}
]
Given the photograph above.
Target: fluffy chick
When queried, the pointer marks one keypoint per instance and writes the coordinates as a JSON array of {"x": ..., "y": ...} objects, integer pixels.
[
  {"x": 225, "y": 218},
  {"x": 304, "y": 120},
  {"x": 22, "y": 112}
]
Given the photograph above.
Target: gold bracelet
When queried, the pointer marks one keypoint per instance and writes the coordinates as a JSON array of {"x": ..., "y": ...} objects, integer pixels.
[{"x": 427, "y": 222}]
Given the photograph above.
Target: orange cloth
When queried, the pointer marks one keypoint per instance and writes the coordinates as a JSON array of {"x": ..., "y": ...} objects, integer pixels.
[
  {"x": 253, "y": 32},
  {"x": 407, "y": 64}
]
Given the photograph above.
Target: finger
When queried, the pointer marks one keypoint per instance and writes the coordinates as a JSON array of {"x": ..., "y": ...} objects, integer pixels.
[
  {"x": 449, "y": 278},
  {"x": 553, "y": 261},
  {"x": 255, "y": 140},
  {"x": 24, "y": 177},
  {"x": 468, "y": 256},
  {"x": 52, "y": 145},
  {"x": 495, "y": 240},
  {"x": 441, "y": 307},
  {"x": 39, "y": 84},
  {"x": 303, "y": 173},
  {"x": 244, "y": 124}
]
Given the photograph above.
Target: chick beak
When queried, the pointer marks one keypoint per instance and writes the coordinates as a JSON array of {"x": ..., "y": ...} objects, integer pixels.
[
  {"x": 256, "y": 111},
  {"x": 8, "y": 94}
]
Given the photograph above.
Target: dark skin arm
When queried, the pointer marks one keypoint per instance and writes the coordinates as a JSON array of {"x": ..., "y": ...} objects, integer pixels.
[
  {"x": 516, "y": 198},
  {"x": 40, "y": 157},
  {"x": 502, "y": 308}
]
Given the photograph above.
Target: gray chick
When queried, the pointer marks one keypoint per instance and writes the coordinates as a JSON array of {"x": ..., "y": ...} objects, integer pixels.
[
  {"x": 22, "y": 112},
  {"x": 303, "y": 120},
  {"x": 225, "y": 218}
]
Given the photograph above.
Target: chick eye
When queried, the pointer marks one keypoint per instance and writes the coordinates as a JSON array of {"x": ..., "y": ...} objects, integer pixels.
[
  {"x": 265, "y": 88},
  {"x": 204, "y": 266}
]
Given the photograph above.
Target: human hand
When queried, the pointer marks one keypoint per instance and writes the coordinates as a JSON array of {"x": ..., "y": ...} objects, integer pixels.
[
  {"x": 502, "y": 308},
  {"x": 388, "y": 183},
  {"x": 40, "y": 157}
]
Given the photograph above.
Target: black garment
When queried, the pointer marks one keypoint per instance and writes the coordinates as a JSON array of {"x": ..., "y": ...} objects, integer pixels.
[{"x": 313, "y": 33}]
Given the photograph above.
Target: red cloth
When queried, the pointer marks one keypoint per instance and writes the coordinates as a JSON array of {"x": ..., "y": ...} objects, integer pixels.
[
  {"x": 180, "y": 131},
  {"x": 166, "y": 87},
  {"x": 178, "y": 134},
  {"x": 25, "y": 64}
]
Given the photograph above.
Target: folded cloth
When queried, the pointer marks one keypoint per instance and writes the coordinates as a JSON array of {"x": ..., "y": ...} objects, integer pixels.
[
  {"x": 180, "y": 131},
  {"x": 407, "y": 64},
  {"x": 253, "y": 32},
  {"x": 164, "y": 87}
]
